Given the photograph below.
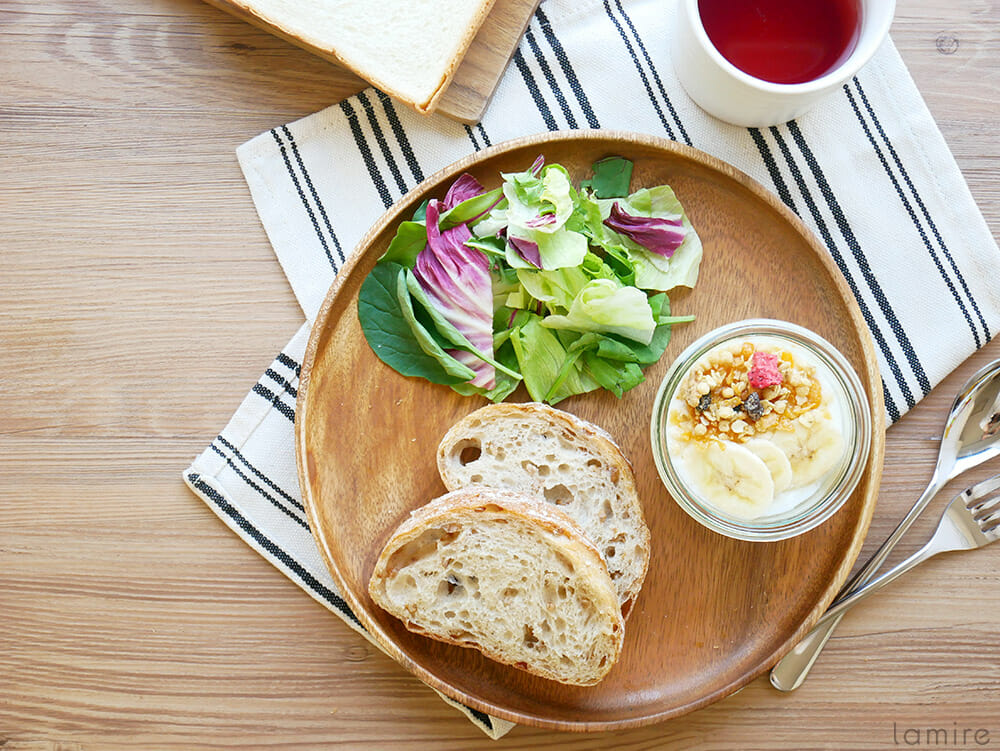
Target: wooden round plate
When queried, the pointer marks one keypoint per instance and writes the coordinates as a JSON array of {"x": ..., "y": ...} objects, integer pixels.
[{"x": 714, "y": 612}]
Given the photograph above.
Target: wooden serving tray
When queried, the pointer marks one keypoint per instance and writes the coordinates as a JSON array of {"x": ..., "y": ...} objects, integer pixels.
[
  {"x": 474, "y": 82},
  {"x": 714, "y": 612}
]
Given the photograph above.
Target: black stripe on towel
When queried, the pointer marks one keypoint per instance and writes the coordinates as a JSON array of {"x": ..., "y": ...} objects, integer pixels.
[
  {"x": 859, "y": 256},
  {"x": 551, "y": 80},
  {"x": 383, "y": 145},
  {"x": 285, "y": 384},
  {"x": 838, "y": 258},
  {"x": 923, "y": 210},
  {"x": 302, "y": 197},
  {"x": 913, "y": 216},
  {"x": 260, "y": 491},
  {"x": 536, "y": 94},
  {"x": 567, "y": 68},
  {"x": 275, "y": 399},
  {"x": 288, "y": 362},
  {"x": 482, "y": 132},
  {"x": 315, "y": 195},
  {"x": 366, "y": 153},
  {"x": 652, "y": 69},
  {"x": 260, "y": 475},
  {"x": 404, "y": 142},
  {"x": 472, "y": 138},
  {"x": 772, "y": 168},
  {"x": 642, "y": 73},
  {"x": 272, "y": 549}
]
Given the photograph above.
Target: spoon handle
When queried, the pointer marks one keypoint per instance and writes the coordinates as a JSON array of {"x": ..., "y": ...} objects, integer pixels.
[{"x": 793, "y": 668}]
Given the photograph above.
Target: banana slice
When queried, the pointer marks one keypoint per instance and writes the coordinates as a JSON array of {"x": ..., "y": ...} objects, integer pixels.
[
  {"x": 813, "y": 447},
  {"x": 776, "y": 461},
  {"x": 731, "y": 478}
]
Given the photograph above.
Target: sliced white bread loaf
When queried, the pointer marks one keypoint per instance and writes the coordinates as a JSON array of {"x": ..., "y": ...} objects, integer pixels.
[
  {"x": 409, "y": 49},
  {"x": 516, "y": 579},
  {"x": 565, "y": 460}
]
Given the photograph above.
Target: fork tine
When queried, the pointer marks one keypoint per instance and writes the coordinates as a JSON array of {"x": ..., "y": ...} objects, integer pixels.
[
  {"x": 986, "y": 508},
  {"x": 991, "y": 529},
  {"x": 981, "y": 490},
  {"x": 990, "y": 522}
]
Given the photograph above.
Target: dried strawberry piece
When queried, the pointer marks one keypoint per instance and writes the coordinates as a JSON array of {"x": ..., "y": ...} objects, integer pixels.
[{"x": 764, "y": 370}]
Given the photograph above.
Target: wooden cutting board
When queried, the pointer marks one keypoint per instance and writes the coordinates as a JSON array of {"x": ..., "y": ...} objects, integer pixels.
[
  {"x": 490, "y": 52},
  {"x": 476, "y": 78}
]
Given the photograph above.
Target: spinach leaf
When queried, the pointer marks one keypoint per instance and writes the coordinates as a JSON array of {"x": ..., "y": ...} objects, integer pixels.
[
  {"x": 650, "y": 353},
  {"x": 612, "y": 176},
  {"x": 421, "y": 213},
  {"x": 617, "y": 377},
  {"x": 387, "y": 331},
  {"x": 410, "y": 239}
]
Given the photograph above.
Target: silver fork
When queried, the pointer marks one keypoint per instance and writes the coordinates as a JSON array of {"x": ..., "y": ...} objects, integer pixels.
[{"x": 972, "y": 520}]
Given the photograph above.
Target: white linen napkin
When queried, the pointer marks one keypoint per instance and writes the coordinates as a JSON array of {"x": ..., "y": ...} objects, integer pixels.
[{"x": 867, "y": 170}]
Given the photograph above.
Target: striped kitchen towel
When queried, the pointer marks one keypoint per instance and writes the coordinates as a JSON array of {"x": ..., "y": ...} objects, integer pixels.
[{"x": 867, "y": 170}]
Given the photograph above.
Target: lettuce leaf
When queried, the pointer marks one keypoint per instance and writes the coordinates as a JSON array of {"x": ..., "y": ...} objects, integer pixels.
[
  {"x": 446, "y": 329},
  {"x": 555, "y": 250},
  {"x": 606, "y": 306},
  {"x": 540, "y": 355},
  {"x": 557, "y": 289}
]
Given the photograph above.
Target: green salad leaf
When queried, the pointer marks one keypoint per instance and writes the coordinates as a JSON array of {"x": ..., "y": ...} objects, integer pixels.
[
  {"x": 410, "y": 239},
  {"x": 612, "y": 176},
  {"x": 604, "y": 306},
  {"x": 578, "y": 302},
  {"x": 388, "y": 330}
]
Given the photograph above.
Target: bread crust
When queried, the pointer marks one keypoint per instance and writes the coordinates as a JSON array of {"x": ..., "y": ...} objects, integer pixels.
[
  {"x": 248, "y": 11},
  {"x": 598, "y": 443},
  {"x": 476, "y": 504}
]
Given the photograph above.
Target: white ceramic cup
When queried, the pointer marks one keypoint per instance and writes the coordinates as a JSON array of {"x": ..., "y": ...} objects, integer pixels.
[{"x": 725, "y": 91}]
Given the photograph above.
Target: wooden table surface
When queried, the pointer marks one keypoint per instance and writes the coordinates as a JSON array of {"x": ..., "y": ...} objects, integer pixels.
[{"x": 140, "y": 300}]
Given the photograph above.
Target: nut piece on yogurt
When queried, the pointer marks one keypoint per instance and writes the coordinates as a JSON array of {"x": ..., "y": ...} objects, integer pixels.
[{"x": 755, "y": 427}]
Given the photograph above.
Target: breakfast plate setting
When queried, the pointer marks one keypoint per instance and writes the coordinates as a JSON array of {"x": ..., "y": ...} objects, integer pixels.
[
  {"x": 746, "y": 602},
  {"x": 759, "y": 342}
]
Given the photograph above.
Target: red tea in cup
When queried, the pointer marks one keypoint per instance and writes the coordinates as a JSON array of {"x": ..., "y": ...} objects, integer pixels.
[{"x": 783, "y": 41}]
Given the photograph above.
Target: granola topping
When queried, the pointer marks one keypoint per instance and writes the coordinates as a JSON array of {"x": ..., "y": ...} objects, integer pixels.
[{"x": 743, "y": 389}]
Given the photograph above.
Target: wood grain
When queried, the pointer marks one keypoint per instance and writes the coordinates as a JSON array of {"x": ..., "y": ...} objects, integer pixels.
[
  {"x": 471, "y": 86},
  {"x": 131, "y": 617}
]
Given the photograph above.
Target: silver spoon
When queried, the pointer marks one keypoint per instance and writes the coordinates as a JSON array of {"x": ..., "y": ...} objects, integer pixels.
[{"x": 971, "y": 437}]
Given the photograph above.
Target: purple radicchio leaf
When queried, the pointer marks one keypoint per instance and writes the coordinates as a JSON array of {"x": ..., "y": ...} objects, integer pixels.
[
  {"x": 542, "y": 220},
  {"x": 655, "y": 234},
  {"x": 463, "y": 188},
  {"x": 458, "y": 283},
  {"x": 536, "y": 166},
  {"x": 527, "y": 249}
]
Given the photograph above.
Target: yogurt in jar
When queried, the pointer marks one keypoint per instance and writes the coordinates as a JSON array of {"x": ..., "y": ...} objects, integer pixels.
[{"x": 756, "y": 427}]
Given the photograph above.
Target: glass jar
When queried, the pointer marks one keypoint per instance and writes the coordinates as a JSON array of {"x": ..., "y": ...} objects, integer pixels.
[{"x": 707, "y": 482}]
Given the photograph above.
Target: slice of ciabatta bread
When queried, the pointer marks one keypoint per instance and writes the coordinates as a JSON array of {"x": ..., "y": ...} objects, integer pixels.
[
  {"x": 409, "y": 49},
  {"x": 516, "y": 579},
  {"x": 569, "y": 462}
]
